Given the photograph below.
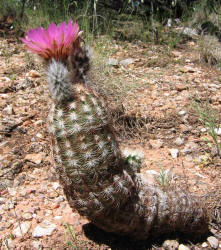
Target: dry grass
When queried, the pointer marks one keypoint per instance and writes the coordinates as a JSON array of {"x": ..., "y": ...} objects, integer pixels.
[
  {"x": 209, "y": 49},
  {"x": 115, "y": 87}
]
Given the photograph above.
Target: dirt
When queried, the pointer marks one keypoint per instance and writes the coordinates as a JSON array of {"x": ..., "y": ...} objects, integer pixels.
[{"x": 156, "y": 113}]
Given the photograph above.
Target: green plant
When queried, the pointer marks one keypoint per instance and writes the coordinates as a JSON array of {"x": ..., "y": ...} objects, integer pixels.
[
  {"x": 98, "y": 181},
  {"x": 163, "y": 178},
  {"x": 209, "y": 117},
  {"x": 73, "y": 242}
]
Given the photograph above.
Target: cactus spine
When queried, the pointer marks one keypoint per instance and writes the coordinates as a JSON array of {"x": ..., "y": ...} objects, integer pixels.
[{"x": 97, "y": 180}]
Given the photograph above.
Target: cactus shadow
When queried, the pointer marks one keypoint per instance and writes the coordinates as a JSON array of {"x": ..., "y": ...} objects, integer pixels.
[{"x": 116, "y": 242}]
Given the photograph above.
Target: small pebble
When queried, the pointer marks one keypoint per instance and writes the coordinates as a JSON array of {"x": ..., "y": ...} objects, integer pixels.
[
  {"x": 203, "y": 130},
  {"x": 55, "y": 185},
  {"x": 30, "y": 191},
  {"x": 27, "y": 216},
  {"x": 2, "y": 200},
  {"x": 37, "y": 244},
  {"x": 204, "y": 245},
  {"x": 152, "y": 172},
  {"x": 182, "y": 112},
  {"x": 112, "y": 62},
  {"x": 39, "y": 122},
  {"x": 217, "y": 131},
  {"x": 214, "y": 243},
  {"x": 22, "y": 229},
  {"x": 179, "y": 141},
  {"x": 156, "y": 144},
  {"x": 54, "y": 206},
  {"x": 126, "y": 62},
  {"x": 45, "y": 228},
  {"x": 33, "y": 74},
  {"x": 174, "y": 152},
  {"x": 39, "y": 135},
  {"x": 170, "y": 244},
  {"x": 183, "y": 247},
  {"x": 57, "y": 218},
  {"x": 59, "y": 199},
  {"x": 3, "y": 192}
]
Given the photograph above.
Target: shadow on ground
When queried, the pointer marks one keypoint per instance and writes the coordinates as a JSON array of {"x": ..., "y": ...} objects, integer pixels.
[{"x": 126, "y": 243}]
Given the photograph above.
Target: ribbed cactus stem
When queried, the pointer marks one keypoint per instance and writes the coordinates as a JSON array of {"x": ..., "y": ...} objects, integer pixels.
[{"x": 97, "y": 180}]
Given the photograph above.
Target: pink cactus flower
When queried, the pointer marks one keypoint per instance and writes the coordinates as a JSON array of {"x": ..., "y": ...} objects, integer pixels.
[{"x": 53, "y": 42}]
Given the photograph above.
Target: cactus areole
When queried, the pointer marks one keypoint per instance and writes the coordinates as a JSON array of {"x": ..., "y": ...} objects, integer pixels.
[{"x": 97, "y": 180}]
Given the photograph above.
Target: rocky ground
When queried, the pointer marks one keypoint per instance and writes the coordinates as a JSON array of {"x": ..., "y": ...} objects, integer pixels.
[{"x": 161, "y": 122}]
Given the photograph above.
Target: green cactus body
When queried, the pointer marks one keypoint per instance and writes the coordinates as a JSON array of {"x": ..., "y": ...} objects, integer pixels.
[{"x": 100, "y": 183}]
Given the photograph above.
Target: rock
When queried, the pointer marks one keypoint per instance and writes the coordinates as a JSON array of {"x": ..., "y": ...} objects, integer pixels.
[
  {"x": 112, "y": 62},
  {"x": 181, "y": 87},
  {"x": 59, "y": 199},
  {"x": 9, "y": 110},
  {"x": 126, "y": 62},
  {"x": 169, "y": 22},
  {"x": 148, "y": 177},
  {"x": 22, "y": 229},
  {"x": 3, "y": 192},
  {"x": 15, "y": 169},
  {"x": 27, "y": 216},
  {"x": 185, "y": 129},
  {"x": 39, "y": 122},
  {"x": 34, "y": 74},
  {"x": 189, "y": 148},
  {"x": 177, "y": 53},
  {"x": 213, "y": 231},
  {"x": 204, "y": 245},
  {"x": 183, "y": 247},
  {"x": 203, "y": 130},
  {"x": 57, "y": 217},
  {"x": 45, "y": 228},
  {"x": 11, "y": 205},
  {"x": 200, "y": 175},
  {"x": 23, "y": 84},
  {"x": 55, "y": 185},
  {"x": 47, "y": 212},
  {"x": 2, "y": 200},
  {"x": 190, "y": 32},
  {"x": 39, "y": 135},
  {"x": 174, "y": 152},
  {"x": 152, "y": 172},
  {"x": 170, "y": 245},
  {"x": 213, "y": 85},
  {"x": 156, "y": 144},
  {"x": 53, "y": 195},
  {"x": 217, "y": 131},
  {"x": 34, "y": 158},
  {"x": 12, "y": 191},
  {"x": 55, "y": 205},
  {"x": 214, "y": 243},
  {"x": 9, "y": 243},
  {"x": 37, "y": 245},
  {"x": 182, "y": 112},
  {"x": 179, "y": 141}
]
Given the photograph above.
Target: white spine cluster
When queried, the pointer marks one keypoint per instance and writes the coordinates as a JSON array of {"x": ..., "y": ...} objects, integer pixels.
[{"x": 58, "y": 81}]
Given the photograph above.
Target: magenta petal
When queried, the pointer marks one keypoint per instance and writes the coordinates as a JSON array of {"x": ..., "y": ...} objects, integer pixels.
[
  {"x": 38, "y": 36},
  {"x": 51, "y": 32},
  {"x": 55, "y": 41},
  {"x": 71, "y": 33},
  {"x": 60, "y": 34}
]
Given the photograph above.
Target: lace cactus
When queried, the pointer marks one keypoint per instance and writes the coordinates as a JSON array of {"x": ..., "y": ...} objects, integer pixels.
[{"x": 98, "y": 181}]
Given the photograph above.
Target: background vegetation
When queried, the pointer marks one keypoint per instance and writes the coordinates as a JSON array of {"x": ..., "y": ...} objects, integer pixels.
[{"x": 142, "y": 18}]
